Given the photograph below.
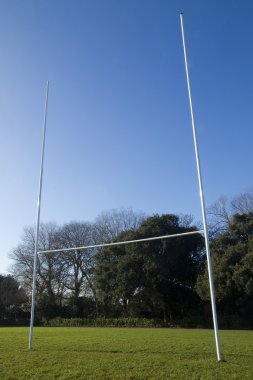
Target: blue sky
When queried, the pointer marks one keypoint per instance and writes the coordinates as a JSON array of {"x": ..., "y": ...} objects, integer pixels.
[{"x": 119, "y": 132}]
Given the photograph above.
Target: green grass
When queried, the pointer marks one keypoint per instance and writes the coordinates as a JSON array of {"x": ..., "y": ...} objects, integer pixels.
[{"x": 114, "y": 353}]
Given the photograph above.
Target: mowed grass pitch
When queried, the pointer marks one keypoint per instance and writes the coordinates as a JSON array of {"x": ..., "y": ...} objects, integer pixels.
[{"x": 123, "y": 353}]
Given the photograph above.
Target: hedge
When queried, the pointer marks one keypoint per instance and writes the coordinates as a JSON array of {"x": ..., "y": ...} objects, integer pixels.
[{"x": 105, "y": 322}]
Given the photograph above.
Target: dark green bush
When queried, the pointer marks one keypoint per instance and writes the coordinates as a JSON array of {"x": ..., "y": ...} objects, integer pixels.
[{"x": 105, "y": 322}]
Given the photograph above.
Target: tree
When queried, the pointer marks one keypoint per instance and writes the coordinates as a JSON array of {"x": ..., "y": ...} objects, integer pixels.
[
  {"x": 158, "y": 275},
  {"x": 79, "y": 264},
  {"x": 222, "y": 211},
  {"x": 66, "y": 278},
  {"x": 50, "y": 271},
  {"x": 243, "y": 203},
  {"x": 232, "y": 256},
  {"x": 109, "y": 224},
  {"x": 12, "y": 296}
]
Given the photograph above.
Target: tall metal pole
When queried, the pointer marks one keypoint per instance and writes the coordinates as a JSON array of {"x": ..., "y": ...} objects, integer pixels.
[
  {"x": 38, "y": 221},
  {"x": 202, "y": 200}
]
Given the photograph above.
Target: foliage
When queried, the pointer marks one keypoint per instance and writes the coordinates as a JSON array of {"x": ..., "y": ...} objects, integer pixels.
[
  {"x": 106, "y": 322},
  {"x": 232, "y": 255},
  {"x": 65, "y": 279},
  {"x": 151, "y": 278},
  {"x": 12, "y": 299},
  {"x": 161, "y": 279}
]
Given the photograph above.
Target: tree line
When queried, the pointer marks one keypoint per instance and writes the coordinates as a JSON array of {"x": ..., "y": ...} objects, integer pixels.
[{"x": 163, "y": 279}]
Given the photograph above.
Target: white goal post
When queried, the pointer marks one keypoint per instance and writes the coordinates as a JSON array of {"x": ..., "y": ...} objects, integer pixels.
[{"x": 202, "y": 201}]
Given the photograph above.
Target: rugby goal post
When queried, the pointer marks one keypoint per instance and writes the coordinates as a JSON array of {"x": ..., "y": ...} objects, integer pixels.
[{"x": 203, "y": 209}]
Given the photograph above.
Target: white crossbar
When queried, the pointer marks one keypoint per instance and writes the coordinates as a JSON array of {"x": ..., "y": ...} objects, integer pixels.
[{"x": 123, "y": 242}]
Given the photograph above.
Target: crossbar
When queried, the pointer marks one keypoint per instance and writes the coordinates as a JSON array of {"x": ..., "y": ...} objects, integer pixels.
[{"x": 123, "y": 242}]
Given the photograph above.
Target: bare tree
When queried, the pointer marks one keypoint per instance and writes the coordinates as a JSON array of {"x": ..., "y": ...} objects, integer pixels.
[
  {"x": 64, "y": 275},
  {"x": 243, "y": 203},
  {"x": 50, "y": 273},
  {"x": 186, "y": 220},
  {"x": 109, "y": 224},
  {"x": 220, "y": 213},
  {"x": 22, "y": 255},
  {"x": 79, "y": 263}
]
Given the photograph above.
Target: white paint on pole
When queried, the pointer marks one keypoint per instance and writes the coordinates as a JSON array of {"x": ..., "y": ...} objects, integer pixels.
[
  {"x": 209, "y": 261},
  {"x": 38, "y": 221},
  {"x": 123, "y": 242}
]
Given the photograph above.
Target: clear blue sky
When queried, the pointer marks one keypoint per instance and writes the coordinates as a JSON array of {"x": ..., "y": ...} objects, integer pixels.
[{"x": 119, "y": 132}]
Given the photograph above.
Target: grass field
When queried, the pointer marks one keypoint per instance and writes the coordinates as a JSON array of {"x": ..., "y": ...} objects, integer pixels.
[{"x": 114, "y": 353}]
